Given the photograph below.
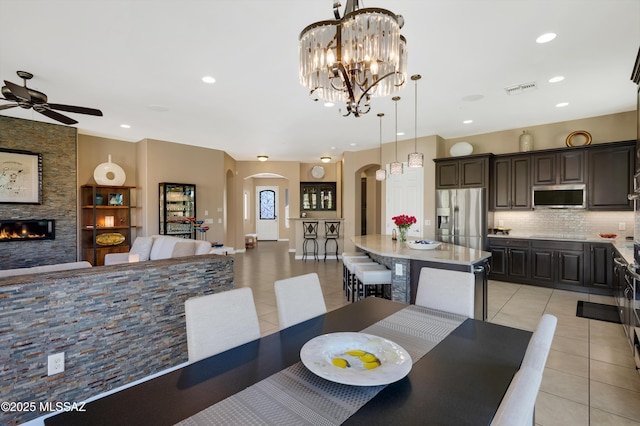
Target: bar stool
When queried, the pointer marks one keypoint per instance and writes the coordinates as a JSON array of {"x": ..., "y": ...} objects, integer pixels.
[
  {"x": 351, "y": 273},
  {"x": 368, "y": 276},
  {"x": 331, "y": 232},
  {"x": 347, "y": 259},
  {"x": 310, "y": 233}
]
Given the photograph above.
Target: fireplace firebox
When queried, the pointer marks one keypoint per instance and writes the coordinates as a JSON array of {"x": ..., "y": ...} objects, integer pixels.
[{"x": 27, "y": 230}]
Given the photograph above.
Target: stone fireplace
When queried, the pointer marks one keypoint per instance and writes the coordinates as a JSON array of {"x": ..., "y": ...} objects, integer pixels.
[{"x": 27, "y": 230}]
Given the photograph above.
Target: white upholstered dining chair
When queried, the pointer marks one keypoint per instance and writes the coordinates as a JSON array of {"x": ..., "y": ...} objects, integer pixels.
[
  {"x": 538, "y": 349},
  {"x": 518, "y": 404},
  {"x": 220, "y": 321},
  {"x": 299, "y": 299},
  {"x": 445, "y": 290}
]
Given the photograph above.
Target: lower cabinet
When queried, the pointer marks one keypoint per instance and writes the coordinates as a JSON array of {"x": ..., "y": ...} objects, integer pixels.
[{"x": 567, "y": 265}]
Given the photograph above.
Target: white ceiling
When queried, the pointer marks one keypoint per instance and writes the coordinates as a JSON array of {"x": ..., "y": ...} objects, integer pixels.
[{"x": 129, "y": 57}]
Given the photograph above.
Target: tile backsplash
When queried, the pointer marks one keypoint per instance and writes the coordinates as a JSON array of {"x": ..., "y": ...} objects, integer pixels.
[{"x": 565, "y": 222}]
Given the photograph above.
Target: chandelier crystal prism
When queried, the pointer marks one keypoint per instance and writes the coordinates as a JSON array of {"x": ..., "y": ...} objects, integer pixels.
[{"x": 354, "y": 58}]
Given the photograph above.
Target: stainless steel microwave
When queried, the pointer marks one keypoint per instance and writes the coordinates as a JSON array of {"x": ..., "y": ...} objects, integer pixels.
[{"x": 560, "y": 197}]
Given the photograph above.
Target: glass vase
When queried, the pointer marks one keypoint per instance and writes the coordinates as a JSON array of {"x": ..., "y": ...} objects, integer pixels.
[{"x": 402, "y": 234}]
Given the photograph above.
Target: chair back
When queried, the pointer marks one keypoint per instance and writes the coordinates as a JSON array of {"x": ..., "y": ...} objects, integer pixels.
[
  {"x": 449, "y": 291},
  {"x": 299, "y": 299},
  {"x": 310, "y": 229},
  {"x": 220, "y": 321},
  {"x": 538, "y": 349},
  {"x": 332, "y": 229},
  {"x": 518, "y": 404}
]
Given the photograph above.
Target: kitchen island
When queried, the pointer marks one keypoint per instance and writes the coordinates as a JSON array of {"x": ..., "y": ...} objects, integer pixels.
[{"x": 405, "y": 264}]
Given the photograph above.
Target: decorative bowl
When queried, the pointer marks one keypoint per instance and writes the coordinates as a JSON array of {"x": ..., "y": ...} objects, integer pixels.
[{"x": 423, "y": 244}]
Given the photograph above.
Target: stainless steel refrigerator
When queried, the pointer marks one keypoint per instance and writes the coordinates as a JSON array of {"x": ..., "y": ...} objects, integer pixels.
[{"x": 462, "y": 217}]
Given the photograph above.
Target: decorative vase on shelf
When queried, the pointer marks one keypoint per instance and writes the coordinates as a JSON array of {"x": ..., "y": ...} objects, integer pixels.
[{"x": 526, "y": 141}]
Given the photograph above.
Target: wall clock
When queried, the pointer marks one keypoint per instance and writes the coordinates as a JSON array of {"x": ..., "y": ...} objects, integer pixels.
[{"x": 317, "y": 172}]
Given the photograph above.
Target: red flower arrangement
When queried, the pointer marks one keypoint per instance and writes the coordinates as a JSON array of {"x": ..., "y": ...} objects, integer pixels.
[{"x": 404, "y": 221}]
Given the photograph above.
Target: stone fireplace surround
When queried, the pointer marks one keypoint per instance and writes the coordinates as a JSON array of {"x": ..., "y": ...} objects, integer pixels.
[{"x": 58, "y": 146}]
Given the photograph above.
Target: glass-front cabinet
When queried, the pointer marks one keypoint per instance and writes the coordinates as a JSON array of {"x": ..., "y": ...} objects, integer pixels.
[
  {"x": 177, "y": 209},
  {"x": 317, "y": 196}
]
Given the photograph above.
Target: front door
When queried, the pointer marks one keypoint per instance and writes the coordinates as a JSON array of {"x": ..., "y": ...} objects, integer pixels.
[{"x": 267, "y": 213}]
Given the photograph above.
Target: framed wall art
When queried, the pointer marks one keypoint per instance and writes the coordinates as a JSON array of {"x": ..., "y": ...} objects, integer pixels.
[{"x": 20, "y": 177}]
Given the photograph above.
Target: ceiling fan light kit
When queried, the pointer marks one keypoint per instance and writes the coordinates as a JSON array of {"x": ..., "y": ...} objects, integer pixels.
[
  {"x": 354, "y": 58},
  {"x": 28, "y": 98}
]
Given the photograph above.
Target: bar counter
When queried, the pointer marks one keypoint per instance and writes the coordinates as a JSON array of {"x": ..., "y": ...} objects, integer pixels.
[{"x": 405, "y": 264}]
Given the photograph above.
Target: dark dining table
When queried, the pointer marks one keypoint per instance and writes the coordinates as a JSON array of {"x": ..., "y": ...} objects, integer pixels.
[{"x": 461, "y": 381}]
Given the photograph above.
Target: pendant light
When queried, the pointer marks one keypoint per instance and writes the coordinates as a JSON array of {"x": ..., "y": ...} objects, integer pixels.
[
  {"x": 416, "y": 159},
  {"x": 396, "y": 166},
  {"x": 381, "y": 173}
]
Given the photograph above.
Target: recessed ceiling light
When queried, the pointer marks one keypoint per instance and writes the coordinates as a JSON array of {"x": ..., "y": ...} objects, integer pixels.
[
  {"x": 263, "y": 157},
  {"x": 158, "y": 108},
  {"x": 328, "y": 104},
  {"x": 562, "y": 104},
  {"x": 556, "y": 79},
  {"x": 400, "y": 134},
  {"x": 125, "y": 126},
  {"x": 468, "y": 121},
  {"x": 353, "y": 144},
  {"x": 546, "y": 38},
  {"x": 333, "y": 147},
  {"x": 325, "y": 159},
  {"x": 208, "y": 79}
]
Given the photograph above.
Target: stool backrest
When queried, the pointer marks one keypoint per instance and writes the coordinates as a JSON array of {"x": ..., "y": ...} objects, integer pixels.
[
  {"x": 310, "y": 229},
  {"x": 332, "y": 229},
  {"x": 445, "y": 290}
]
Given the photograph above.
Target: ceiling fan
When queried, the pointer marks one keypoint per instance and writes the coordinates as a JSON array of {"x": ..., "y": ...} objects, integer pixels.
[{"x": 26, "y": 97}]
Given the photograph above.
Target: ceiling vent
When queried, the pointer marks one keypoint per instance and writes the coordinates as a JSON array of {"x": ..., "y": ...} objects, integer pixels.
[{"x": 521, "y": 88}]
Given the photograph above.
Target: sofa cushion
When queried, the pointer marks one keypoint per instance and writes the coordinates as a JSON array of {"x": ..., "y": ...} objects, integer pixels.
[
  {"x": 142, "y": 247},
  {"x": 162, "y": 247},
  {"x": 202, "y": 247},
  {"x": 184, "y": 248}
]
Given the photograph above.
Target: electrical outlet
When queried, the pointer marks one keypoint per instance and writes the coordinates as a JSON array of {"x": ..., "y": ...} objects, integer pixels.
[
  {"x": 206, "y": 212},
  {"x": 622, "y": 226},
  {"x": 399, "y": 269},
  {"x": 55, "y": 364},
  {"x": 427, "y": 222},
  {"x": 210, "y": 220},
  {"x": 501, "y": 223}
]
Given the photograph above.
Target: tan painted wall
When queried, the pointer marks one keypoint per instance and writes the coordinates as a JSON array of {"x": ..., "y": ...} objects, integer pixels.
[
  {"x": 93, "y": 150},
  {"x": 606, "y": 128}
]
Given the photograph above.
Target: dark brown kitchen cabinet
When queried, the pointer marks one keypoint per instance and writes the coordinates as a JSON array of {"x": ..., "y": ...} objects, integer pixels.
[
  {"x": 571, "y": 267},
  {"x": 464, "y": 172},
  {"x": 601, "y": 265},
  {"x": 511, "y": 183},
  {"x": 559, "y": 168},
  {"x": 509, "y": 259},
  {"x": 558, "y": 262},
  {"x": 611, "y": 176}
]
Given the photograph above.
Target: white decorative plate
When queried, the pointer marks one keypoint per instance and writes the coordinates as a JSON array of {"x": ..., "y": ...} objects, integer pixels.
[
  {"x": 461, "y": 148},
  {"x": 318, "y": 355},
  {"x": 423, "y": 244}
]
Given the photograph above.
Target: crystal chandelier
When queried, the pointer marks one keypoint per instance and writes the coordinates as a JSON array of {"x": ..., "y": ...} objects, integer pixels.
[
  {"x": 396, "y": 168},
  {"x": 354, "y": 58},
  {"x": 416, "y": 159},
  {"x": 381, "y": 173}
]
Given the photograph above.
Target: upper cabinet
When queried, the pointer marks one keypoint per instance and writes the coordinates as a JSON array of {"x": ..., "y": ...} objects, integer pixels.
[
  {"x": 177, "y": 209},
  {"x": 557, "y": 168},
  {"x": 511, "y": 183},
  {"x": 464, "y": 172},
  {"x": 610, "y": 180},
  {"x": 318, "y": 196}
]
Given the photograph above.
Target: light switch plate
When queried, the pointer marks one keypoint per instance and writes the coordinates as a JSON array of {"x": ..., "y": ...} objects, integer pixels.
[
  {"x": 622, "y": 226},
  {"x": 399, "y": 269}
]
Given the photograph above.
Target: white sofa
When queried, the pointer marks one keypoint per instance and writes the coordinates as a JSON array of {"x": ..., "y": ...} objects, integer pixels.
[
  {"x": 159, "y": 247},
  {"x": 44, "y": 268}
]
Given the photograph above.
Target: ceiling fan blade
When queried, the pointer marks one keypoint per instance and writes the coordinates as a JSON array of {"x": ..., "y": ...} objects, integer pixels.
[
  {"x": 76, "y": 109},
  {"x": 56, "y": 116},
  {"x": 18, "y": 91},
  {"x": 7, "y": 106}
]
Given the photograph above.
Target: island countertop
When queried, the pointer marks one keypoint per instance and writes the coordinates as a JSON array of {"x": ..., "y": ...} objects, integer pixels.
[{"x": 382, "y": 245}]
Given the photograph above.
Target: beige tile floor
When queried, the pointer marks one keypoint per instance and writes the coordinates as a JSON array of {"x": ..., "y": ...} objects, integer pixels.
[{"x": 589, "y": 379}]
